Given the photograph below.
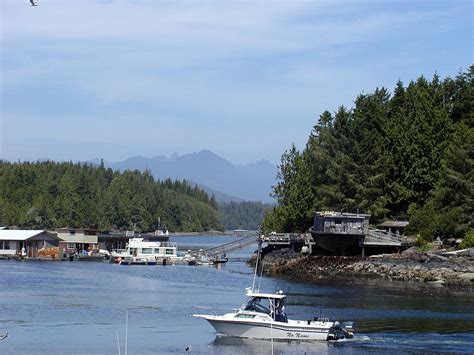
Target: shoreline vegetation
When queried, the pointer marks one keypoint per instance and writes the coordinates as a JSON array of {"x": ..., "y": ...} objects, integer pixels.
[
  {"x": 453, "y": 271},
  {"x": 48, "y": 194},
  {"x": 404, "y": 154}
]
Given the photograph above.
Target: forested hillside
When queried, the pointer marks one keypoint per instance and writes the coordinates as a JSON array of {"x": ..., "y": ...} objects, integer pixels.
[
  {"x": 49, "y": 194},
  {"x": 243, "y": 215},
  {"x": 405, "y": 154}
]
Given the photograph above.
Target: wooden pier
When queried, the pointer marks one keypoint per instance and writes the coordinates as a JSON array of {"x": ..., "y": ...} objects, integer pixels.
[{"x": 238, "y": 244}]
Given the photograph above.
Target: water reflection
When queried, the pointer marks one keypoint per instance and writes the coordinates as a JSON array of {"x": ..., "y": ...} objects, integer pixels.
[{"x": 233, "y": 345}]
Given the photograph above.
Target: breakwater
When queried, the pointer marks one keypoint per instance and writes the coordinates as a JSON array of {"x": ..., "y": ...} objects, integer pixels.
[{"x": 410, "y": 265}]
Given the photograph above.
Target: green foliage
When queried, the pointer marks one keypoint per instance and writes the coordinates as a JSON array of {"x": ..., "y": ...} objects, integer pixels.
[
  {"x": 468, "y": 241},
  {"x": 422, "y": 245},
  {"x": 243, "y": 215},
  {"x": 49, "y": 194},
  {"x": 405, "y": 154}
]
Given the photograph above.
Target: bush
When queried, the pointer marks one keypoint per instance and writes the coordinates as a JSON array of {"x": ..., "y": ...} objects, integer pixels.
[
  {"x": 422, "y": 244},
  {"x": 468, "y": 241}
]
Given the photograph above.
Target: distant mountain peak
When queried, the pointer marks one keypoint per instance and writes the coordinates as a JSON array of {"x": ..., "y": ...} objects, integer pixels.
[{"x": 251, "y": 182}]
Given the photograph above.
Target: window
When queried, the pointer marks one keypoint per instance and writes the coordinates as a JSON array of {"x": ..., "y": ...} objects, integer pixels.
[
  {"x": 169, "y": 251},
  {"x": 245, "y": 315},
  {"x": 157, "y": 250},
  {"x": 5, "y": 244},
  {"x": 147, "y": 250},
  {"x": 71, "y": 245}
]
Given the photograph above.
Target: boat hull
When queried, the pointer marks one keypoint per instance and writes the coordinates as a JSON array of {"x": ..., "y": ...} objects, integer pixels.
[{"x": 269, "y": 330}]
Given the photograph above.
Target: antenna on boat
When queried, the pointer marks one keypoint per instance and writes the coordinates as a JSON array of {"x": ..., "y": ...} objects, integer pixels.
[
  {"x": 256, "y": 264},
  {"x": 126, "y": 333},
  {"x": 118, "y": 342},
  {"x": 272, "y": 307},
  {"x": 260, "y": 279}
]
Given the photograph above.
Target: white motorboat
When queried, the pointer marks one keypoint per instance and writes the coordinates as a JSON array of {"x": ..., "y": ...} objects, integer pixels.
[
  {"x": 263, "y": 316},
  {"x": 141, "y": 250}
]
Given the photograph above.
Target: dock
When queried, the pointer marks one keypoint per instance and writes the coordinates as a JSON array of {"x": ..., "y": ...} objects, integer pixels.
[
  {"x": 238, "y": 244},
  {"x": 370, "y": 239}
]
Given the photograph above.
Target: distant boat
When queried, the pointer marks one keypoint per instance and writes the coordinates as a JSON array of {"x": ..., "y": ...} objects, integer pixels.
[
  {"x": 220, "y": 259},
  {"x": 240, "y": 232},
  {"x": 160, "y": 232},
  {"x": 144, "y": 252}
]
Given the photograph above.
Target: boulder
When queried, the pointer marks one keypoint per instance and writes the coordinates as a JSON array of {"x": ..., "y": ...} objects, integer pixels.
[{"x": 467, "y": 276}]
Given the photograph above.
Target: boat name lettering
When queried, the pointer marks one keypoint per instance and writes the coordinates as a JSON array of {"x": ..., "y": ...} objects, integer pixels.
[{"x": 296, "y": 335}]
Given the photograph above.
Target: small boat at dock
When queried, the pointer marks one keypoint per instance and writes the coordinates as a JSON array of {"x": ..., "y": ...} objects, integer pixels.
[
  {"x": 143, "y": 252},
  {"x": 220, "y": 259}
]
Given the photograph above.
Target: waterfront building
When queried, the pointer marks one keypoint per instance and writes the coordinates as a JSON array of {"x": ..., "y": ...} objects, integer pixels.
[
  {"x": 14, "y": 242},
  {"x": 77, "y": 240},
  {"x": 339, "y": 233}
]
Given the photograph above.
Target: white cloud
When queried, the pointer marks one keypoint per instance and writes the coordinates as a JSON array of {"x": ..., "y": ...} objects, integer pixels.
[{"x": 257, "y": 64}]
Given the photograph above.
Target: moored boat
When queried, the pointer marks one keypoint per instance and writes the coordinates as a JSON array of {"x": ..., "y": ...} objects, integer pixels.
[
  {"x": 142, "y": 252},
  {"x": 220, "y": 259}
]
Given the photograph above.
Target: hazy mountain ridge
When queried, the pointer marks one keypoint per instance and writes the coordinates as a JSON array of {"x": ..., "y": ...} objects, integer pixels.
[{"x": 251, "y": 182}]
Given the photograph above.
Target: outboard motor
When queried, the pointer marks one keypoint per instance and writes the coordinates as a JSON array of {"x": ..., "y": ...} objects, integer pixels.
[
  {"x": 350, "y": 327},
  {"x": 341, "y": 331}
]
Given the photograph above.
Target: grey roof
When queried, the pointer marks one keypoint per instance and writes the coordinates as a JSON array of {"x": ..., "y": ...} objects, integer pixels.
[
  {"x": 90, "y": 239},
  {"x": 399, "y": 224},
  {"x": 18, "y": 234}
]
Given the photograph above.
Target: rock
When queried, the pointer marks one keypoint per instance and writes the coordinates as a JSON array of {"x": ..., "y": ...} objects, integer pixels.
[
  {"x": 437, "y": 282},
  {"x": 468, "y": 276},
  {"x": 439, "y": 257}
]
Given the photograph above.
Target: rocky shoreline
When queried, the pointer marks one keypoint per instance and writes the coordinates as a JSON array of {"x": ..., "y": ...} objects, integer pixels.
[{"x": 429, "y": 268}]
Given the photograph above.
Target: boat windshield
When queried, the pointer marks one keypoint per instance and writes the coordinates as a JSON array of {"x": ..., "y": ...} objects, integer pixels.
[
  {"x": 255, "y": 304},
  {"x": 267, "y": 306}
]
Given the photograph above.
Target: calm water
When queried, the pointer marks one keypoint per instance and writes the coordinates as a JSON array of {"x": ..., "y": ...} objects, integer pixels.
[{"x": 76, "y": 308}]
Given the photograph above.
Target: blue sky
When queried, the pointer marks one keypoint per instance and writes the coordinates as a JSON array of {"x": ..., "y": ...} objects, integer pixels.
[{"x": 111, "y": 79}]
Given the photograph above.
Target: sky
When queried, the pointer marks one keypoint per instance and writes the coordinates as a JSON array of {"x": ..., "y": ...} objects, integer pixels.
[{"x": 88, "y": 79}]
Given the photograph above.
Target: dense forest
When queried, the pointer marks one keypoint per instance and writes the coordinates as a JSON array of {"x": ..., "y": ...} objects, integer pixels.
[
  {"x": 405, "y": 154},
  {"x": 243, "y": 215},
  {"x": 49, "y": 194}
]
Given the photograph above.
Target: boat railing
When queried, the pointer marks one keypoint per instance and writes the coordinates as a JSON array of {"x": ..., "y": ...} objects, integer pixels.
[
  {"x": 168, "y": 244},
  {"x": 337, "y": 228}
]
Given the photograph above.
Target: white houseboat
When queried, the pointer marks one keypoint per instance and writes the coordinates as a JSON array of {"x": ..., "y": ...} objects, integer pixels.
[{"x": 140, "y": 251}]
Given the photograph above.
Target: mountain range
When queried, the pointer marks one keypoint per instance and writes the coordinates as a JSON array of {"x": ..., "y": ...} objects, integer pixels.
[{"x": 211, "y": 172}]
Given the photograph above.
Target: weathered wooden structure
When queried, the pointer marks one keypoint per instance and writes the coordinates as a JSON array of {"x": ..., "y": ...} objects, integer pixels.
[{"x": 340, "y": 234}]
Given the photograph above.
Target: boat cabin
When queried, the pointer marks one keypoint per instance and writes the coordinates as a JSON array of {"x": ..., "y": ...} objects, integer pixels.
[
  {"x": 138, "y": 247},
  {"x": 272, "y": 304}
]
